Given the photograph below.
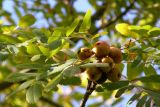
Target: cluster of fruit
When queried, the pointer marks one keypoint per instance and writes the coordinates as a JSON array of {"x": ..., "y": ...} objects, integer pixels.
[{"x": 104, "y": 54}]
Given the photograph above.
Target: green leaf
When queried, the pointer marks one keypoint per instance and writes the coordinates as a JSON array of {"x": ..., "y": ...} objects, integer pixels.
[
  {"x": 88, "y": 65},
  {"x": 133, "y": 72},
  {"x": 149, "y": 70},
  {"x": 55, "y": 44},
  {"x": 142, "y": 101},
  {"x": 21, "y": 87},
  {"x": 33, "y": 49},
  {"x": 99, "y": 89},
  {"x": 12, "y": 49},
  {"x": 154, "y": 31},
  {"x": 70, "y": 53},
  {"x": 116, "y": 102},
  {"x": 123, "y": 29},
  {"x": 116, "y": 85},
  {"x": 16, "y": 77},
  {"x": 3, "y": 56},
  {"x": 70, "y": 71},
  {"x": 151, "y": 78},
  {"x": 27, "y": 20},
  {"x": 30, "y": 66},
  {"x": 17, "y": 10},
  {"x": 148, "y": 102},
  {"x": 34, "y": 93},
  {"x": 149, "y": 49},
  {"x": 63, "y": 66},
  {"x": 54, "y": 82},
  {"x": 133, "y": 98},
  {"x": 71, "y": 81},
  {"x": 35, "y": 58},
  {"x": 7, "y": 29},
  {"x": 122, "y": 90},
  {"x": 44, "y": 50},
  {"x": 72, "y": 27},
  {"x": 8, "y": 39},
  {"x": 86, "y": 21}
]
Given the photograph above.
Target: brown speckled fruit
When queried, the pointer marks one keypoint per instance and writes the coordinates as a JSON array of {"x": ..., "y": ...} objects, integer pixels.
[
  {"x": 109, "y": 60},
  {"x": 102, "y": 79},
  {"x": 93, "y": 73},
  {"x": 84, "y": 53},
  {"x": 114, "y": 75},
  {"x": 101, "y": 49},
  {"x": 115, "y": 54}
]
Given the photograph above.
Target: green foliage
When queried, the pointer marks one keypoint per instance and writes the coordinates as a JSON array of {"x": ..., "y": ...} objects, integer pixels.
[
  {"x": 24, "y": 22},
  {"x": 38, "y": 61}
]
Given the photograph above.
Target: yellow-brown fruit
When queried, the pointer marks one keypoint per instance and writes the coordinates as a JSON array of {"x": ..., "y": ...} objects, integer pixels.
[
  {"x": 101, "y": 49},
  {"x": 109, "y": 60},
  {"x": 93, "y": 73},
  {"x": 84, "y": 53},
  {"x": 102, "y": 79},
  {"x": 114, "y": 74},
  {"x": 115, "y": 54}
]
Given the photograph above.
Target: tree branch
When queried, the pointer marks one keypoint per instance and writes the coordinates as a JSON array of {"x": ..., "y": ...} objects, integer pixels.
[
  {"x": 89, "y": 91},
  {"x": 4, "y": 85},
  {"x": 111, "y": 21},
  {"x": 99, "y": 13}
]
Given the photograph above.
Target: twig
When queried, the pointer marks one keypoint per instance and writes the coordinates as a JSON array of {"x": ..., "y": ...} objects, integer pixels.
[
  {"x": 110, "y": 22},
  {"x": 90, "y": 88},
  {"x": 4, "y": 85}
]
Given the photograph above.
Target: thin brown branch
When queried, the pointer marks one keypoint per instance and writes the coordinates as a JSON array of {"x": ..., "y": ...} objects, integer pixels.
[
  {"x": 4, "y": 85},
  {"x": 111, "y": 21},
  {"x": 90, "y": 88},
  {"x": 99, "y": 13}
]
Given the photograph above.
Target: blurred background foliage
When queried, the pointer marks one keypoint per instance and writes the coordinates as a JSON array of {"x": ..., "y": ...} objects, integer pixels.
[{"x": 39, "y": 36}]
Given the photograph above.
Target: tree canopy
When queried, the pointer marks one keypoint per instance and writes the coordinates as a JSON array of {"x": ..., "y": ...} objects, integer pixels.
[{"x": 40, "y": 42}]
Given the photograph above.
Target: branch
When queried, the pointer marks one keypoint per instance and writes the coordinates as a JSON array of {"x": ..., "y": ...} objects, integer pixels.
[
  {"x": 54, "y": 104},
  {"x": 4, "y": 85},
  {"x": 89, "y": 91},
  {"x": 110, "y": 22},
  {"x": 99, "y": 13}
]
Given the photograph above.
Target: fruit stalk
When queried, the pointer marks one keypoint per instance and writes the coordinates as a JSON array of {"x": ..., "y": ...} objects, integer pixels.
[{"x": 90, "y": 88}]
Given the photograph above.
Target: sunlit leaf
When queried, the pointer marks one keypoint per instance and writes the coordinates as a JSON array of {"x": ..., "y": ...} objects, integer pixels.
[
  {"x": 72, "y": 27},
  {"x": 86, "y": 21},
  {"x": 35, "y": 58},
  {"x": 34, "y": 93},
  {"x": 154, "y": 31},
  {"x": 26, "y": 20}
]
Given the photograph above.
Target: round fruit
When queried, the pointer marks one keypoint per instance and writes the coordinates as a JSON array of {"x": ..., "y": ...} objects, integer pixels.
[
  {"x": 84, "y": 53},
  {"x": 114, "y": 75},
  {"x": 102, "y": 79},
  {"x": 115, "y": 54},
  {"x": 108, "y": 60},
  {"x": 101, "y": 49},
  {"x": 93, "y": 73}
]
